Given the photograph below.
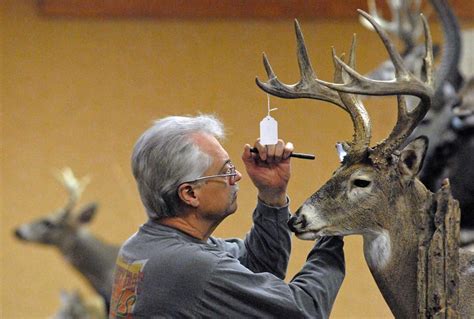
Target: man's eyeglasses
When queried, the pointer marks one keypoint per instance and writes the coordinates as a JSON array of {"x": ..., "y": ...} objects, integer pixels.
[{"x": 230, "y": 173}]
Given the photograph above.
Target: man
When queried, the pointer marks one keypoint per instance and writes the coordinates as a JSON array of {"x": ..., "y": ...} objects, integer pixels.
[{"x": 173, "y": 268}]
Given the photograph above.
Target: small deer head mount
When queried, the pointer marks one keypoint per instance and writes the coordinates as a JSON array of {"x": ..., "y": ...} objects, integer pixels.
[{"x": 55, "y": 227}]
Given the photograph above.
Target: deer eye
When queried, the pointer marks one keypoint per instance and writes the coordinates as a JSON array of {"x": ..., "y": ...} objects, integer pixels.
[
  {"x": 361, "y": 183},
  {"x": 425, "y": 121},
  {"x": 47, "y": 224}
]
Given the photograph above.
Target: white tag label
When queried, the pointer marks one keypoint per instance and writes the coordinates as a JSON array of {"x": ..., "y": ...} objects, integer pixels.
[{"x": 268, "y": 131}]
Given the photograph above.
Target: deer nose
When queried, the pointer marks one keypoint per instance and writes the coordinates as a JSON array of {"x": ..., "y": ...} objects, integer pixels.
[{"x": 297, "y": 222}]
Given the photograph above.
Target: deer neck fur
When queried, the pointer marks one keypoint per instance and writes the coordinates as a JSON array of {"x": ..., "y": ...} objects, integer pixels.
[
  {"x": 91, "y": 257},
  {"x": 391, "y": 252}
]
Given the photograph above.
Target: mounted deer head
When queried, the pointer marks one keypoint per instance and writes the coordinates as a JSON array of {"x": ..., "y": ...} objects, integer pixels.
[
  {"x": 375, "y": 191},
  {"x": 54, "y": 228},
  {"x": 451, "y": 131},
  {"x": 65, "y": 229},
  {"x": 447, "y": 123}
]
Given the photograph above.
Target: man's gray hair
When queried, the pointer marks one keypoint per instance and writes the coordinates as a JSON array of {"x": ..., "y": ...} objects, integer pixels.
[{"x": 166, "y": 156}]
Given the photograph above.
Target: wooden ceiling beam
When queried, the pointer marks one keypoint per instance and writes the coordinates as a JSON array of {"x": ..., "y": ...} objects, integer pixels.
[{"x": 199, "y": 9}]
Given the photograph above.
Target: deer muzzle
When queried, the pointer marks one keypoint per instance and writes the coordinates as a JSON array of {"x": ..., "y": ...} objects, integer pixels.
[
  {"x": 306, "y": 223},
  {"x": 19, "y": 234},
  {"x": 297, "y": 223}
]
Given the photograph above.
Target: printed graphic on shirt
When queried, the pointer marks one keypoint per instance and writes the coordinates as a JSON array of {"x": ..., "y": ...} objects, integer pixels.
[{"x": 128, "y": 275}]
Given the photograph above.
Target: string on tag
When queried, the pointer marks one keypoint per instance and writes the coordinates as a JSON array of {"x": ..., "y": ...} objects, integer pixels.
[{"x": 268, "y": 105}]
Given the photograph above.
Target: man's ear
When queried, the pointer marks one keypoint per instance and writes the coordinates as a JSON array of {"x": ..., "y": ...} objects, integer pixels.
[
  {"x": 412, "y": 157},
  {"x": 187, "y": 194}
]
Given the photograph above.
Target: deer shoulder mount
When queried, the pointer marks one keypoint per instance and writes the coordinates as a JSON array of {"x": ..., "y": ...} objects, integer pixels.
[
  {"x": 375, "y": 192},
  {"x": 65, "y": 229}
]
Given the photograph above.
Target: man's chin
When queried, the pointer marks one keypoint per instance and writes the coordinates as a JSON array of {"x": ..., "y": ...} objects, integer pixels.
[
  {"x": 233, "y": 204},
  {"x": 232, "y": 208}
]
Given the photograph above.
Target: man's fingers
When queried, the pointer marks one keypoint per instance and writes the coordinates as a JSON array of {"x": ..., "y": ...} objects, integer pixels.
[
  {"x": 269, "y": 153},
  {"x": 247, "y": 155},
  {"x": 289, "y": 148},
  {"x": 271, "y": 149},
  {"x": 262, "y": 150},
  {"x": 279, "y": 150}
]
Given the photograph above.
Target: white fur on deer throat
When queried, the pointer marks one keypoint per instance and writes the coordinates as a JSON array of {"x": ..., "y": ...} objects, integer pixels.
[{"x": 377, "y": 249}]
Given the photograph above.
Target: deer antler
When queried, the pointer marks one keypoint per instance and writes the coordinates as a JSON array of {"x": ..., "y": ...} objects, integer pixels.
[
  {"x": 307, "y": 87},
  {"x": 405, "y": 23},
  {"x": 405, "y": 83},
  {"x": 74, "y": 186},
  {"x": 406, "y": 26},
  {"x": 310, "y": 87},
  {"x": 355, "y": 108},
  {"x": 354, "y": 83}
]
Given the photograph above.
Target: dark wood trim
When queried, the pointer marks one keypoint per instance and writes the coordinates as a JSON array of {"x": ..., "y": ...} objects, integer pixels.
[{"x": 267, "y": 9}]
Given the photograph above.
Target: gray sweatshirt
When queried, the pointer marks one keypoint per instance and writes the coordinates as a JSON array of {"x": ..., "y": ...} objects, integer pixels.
[{"x": 164, "y": 273}]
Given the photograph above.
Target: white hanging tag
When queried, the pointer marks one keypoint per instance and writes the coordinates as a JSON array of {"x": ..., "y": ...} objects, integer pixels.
[
  {"x": 269, "y": 128},
  {"x": 268, "y": 131},
  {"x": 340, "y": 151}
]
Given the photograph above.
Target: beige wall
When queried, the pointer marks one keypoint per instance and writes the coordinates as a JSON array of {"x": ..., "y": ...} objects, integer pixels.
[{"x": 78, "y": 93}]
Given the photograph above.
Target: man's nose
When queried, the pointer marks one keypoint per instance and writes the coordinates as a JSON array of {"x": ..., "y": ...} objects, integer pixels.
[{"x": 238, "y": 177}]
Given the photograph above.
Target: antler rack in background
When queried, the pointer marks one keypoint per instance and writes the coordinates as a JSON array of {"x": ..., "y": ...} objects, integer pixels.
[{"x": 74, "y": 186}]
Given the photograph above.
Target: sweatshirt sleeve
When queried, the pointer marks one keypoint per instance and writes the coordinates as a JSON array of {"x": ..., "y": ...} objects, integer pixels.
[
  {"x": 234, "y": 291},
  {"x": 267, "y": 246}
]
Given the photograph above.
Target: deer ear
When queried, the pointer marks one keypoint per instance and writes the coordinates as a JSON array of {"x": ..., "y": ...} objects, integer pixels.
[
  {"x": 86, "y": 213},
  {"x": 412, "y": 157}
]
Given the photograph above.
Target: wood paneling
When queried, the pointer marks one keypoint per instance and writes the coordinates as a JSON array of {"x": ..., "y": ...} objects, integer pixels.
[{"x": 269, "y": 9}]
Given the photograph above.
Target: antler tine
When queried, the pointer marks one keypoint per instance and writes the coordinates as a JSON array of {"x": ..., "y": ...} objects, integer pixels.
[
  {"x": 374, "y": 12},
  {"x": 404, "y": 23},
  {"x": 405, "y": 83},
  {"x": 304, "y": 64},
  {"x": 397, "y": 60},
  {"x": 355, "y": 108},
  {"x": 307, "y": 87},
  {"x": 74, "y": 186},
  {"x": 428, "y": 60},
  {"x": 352, "y": 53},
  {"x": 407, "y": 22}
]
